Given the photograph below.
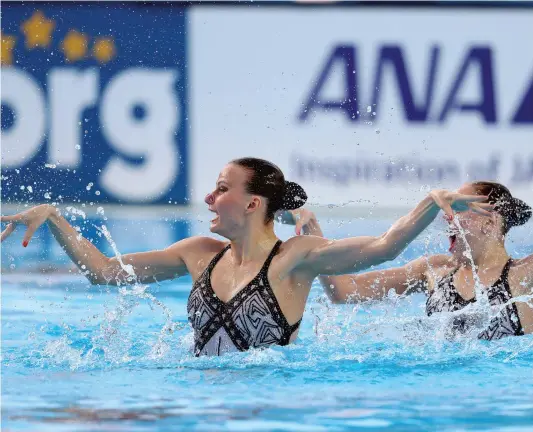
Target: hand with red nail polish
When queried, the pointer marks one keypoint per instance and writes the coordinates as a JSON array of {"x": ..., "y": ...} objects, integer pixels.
[
  {"x": 33, "y": 218},
  {"x": 451, "y": 202},
  {"x": 305, "y": 222}
]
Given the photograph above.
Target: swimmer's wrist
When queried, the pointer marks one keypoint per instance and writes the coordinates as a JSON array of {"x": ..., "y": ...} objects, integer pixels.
[
  {"x": 53, "y": 214},
  {"x": 430, "y": 200}
]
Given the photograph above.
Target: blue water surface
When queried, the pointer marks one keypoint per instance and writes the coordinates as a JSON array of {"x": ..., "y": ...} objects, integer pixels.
[{"x": 77, "y": 357}]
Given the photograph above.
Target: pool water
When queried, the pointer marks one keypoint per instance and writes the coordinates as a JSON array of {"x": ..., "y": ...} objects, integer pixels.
[{"x": 77, "y": 357}]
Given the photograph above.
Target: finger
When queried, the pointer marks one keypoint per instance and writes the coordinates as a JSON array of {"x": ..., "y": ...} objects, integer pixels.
[
  {"x": 7, "y": 232},
  {"x": 445, "y": 206},
  {"x": 486, "y": 206},
  {"x": 299, "y": 227},
  {"x": 12, "y": 218},
  {"x": 473, "y": 198},
  {"x": 28, "y": 234},
  {"x": 476, "y": 208}
]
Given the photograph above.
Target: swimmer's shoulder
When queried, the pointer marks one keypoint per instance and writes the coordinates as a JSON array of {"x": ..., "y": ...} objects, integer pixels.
[
  {"x": 303, "y": 242},
  {"x": 199, "y": 244},
  {"x": 521, "y": 276},
  {"x": 196, "y": 252},
  {"x": 197, "y": 248},
  {"x": 299, "y": 246},
  {"x": 435, "y": 267},
  {"x": 292, "y": 251}
]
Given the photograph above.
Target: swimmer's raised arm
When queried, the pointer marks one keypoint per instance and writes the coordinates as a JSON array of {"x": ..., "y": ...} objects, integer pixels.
[
  {"x": 375, "y": 285},
  {"x": 317, "y": 255},
  {"x": 371, "y": 285},
  {"x": 97, "y": 267}
]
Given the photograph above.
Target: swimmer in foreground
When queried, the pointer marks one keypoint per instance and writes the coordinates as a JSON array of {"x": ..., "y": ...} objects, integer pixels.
[
  {"x": 449, "y": 280},
  {"x": 251, "y": 290}
]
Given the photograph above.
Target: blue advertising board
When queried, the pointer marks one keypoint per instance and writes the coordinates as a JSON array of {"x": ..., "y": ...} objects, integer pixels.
[{"x": 94, "y": 103}]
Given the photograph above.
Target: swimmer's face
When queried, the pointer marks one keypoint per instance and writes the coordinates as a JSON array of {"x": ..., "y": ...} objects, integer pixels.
[
  {"x": 230, "y": 201},
  {"x": 478, "y": 229}
]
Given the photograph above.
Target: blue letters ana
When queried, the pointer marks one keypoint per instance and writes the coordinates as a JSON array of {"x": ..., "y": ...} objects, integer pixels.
[
  {"x": 478, "y": 60},
  {"x": 94, "y": 103}
]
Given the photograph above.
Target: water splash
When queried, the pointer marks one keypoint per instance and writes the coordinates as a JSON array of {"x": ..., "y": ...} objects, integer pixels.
[
  {"x": 113, "y": 340},
  {"x": 127, "y": 268}
]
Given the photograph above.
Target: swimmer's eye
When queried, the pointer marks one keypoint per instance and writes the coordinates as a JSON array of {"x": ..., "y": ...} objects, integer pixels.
[{"x": 222, "y": 189}]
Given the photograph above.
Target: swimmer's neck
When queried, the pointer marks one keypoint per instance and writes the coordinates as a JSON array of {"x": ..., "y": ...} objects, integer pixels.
[
  {"x": 489, "y": 257},
  {"x": 253, "y": 244}
]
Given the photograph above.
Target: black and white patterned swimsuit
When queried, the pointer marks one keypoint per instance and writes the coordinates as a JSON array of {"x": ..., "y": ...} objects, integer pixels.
[
  {"x": 446, "y": 298},
  {"x": 251, "y": 319}
]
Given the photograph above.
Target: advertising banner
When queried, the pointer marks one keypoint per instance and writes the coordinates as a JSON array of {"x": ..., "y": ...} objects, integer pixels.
[
  {"x": 94, "y": 103},
  {"x": 367, "y": 106}
]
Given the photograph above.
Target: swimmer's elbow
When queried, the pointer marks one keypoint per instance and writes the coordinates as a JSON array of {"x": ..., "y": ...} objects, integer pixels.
[
  {"x": 337, "y": 299},
  {"x": 332, "y": 292},
  {"x": 386, "y": 250},
  {"x": 93, "y": 280},
  {"x": 96, "y": 279},
  {"x": 394, "y": 253},
  {"x": 102, "y": 276}
]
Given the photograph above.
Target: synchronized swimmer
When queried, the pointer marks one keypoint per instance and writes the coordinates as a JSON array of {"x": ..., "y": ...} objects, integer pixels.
[
  {"x": 449, "y": 280},
  {"x": 251, "y": 290}
]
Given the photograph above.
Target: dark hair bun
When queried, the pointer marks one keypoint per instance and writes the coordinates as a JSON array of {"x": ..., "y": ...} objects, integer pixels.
[
  {"x": 519, "y": 213},
  {"x": 294, "y": 196}
]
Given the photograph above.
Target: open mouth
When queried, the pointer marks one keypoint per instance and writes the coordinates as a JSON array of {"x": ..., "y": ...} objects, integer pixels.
[
  {"x": 215, "y": 219},
  {"x": 453, "y": 240}
]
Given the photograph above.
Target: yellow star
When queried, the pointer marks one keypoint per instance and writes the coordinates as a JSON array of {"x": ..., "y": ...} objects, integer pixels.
[
  {"x": 38, "y": 30},
  {"x": 104, "y": 49},
  {"x": 74, "y": 45},
  {"x": 6, "y": 54}
]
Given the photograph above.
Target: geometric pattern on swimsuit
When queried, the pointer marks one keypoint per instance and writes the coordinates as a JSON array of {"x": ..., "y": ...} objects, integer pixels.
[
  {"x": 251, "y": 319},
  {"x": 446, "y": 298}
]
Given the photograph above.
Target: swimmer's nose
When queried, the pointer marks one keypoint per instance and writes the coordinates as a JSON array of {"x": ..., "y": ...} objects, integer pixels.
[{"x": 209, "y": 199}]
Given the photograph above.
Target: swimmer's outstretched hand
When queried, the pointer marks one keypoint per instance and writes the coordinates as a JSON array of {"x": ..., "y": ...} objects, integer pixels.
[
  {"x": 453, "y": 201},
  {"x": 33, "y": 218},
  {"x": 304, "y": 221}
]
